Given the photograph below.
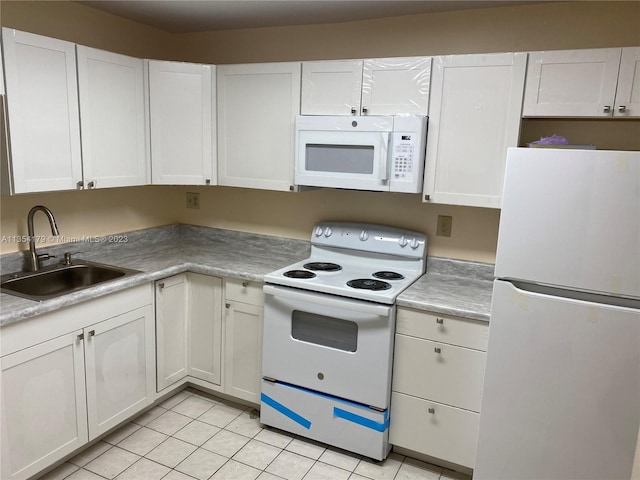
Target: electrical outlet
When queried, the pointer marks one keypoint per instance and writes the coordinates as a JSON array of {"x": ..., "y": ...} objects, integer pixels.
[
  {"x": 193, "y": 200},
  {"x": 444, "y": 226}
]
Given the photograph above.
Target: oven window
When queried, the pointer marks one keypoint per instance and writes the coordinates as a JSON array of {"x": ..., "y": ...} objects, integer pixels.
[
  {"x": 339, "y": 158},
  {"x": 325, "y": 331}
]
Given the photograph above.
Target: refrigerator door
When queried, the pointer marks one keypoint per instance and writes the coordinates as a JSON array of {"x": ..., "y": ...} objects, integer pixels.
[
  {"x": 572, "y": 218},
  {"x": 561, "y": 395}
]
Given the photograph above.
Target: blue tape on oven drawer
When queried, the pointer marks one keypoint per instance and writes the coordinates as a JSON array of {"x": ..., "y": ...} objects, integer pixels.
[
  {"x": 360, "y": 420},
  {"x": 287, "y": 412}
]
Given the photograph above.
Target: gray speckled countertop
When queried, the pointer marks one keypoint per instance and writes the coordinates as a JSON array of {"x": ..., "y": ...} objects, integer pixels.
[
  {"x": 449, "y": 286},
  {"x": 452, "y": 287}
]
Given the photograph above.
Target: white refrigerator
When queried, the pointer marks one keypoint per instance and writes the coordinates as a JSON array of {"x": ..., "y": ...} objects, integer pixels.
[{"x": 561, "y": 398}]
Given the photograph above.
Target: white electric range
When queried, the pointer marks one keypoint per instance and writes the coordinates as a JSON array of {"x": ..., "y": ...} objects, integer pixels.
[{"x": 329, "y": 326}]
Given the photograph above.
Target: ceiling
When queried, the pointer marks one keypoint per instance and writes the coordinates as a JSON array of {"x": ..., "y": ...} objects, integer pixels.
[{"x": 184, "y": 16}]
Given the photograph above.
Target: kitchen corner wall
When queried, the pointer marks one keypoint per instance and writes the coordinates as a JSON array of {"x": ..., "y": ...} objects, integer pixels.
[{"x": 554, "y": 25}]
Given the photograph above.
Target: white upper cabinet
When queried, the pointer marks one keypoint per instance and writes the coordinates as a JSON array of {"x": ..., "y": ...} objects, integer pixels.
[
  {"x": 628, "y": 92},
  {"x": 392, "y": 86},
  {"x": 382, "y": 86},
  {"x": 42, "y": 101},
  {"x": 182, "y": 102},
  {"x": 476, "y": 104},
  {"x": 600, "y": 82},
  {"x": 332, "y": 87},
  {"x": 112, "y": 114},
  {"x": 257, "y": 106}
]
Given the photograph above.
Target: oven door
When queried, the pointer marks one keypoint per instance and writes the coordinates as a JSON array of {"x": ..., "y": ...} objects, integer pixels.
[
  {"x": 331, "y": 152},
  {"x": 334, "y": 345}
]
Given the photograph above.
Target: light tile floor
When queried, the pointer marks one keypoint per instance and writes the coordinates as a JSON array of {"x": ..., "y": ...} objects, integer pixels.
[{"x": 196, "y": 436}]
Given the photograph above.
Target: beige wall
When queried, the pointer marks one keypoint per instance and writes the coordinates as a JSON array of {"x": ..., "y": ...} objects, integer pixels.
[{"x": 474, "y": 233}]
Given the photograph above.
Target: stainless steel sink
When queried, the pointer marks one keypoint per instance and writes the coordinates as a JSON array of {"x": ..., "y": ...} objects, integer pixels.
[{"x": 57, "y": 280}]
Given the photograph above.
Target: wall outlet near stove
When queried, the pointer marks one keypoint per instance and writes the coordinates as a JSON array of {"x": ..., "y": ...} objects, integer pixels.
[
  {"x": 193, "y": 200},
  {"x": 444, "y": 226}
]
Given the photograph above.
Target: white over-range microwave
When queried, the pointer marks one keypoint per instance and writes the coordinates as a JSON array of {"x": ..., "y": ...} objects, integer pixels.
[{"x": 381, "y": 153}]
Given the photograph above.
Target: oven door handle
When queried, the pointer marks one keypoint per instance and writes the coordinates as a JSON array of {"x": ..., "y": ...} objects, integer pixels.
[{"x": 329, "y": 301}]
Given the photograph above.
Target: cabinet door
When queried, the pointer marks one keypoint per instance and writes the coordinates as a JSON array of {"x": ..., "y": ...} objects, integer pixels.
[
  {"x": 474, "y": 117},
  {"x": 205, "y": 327},
  {"x": 44, "y": 416},
  {"x": 628, "y": 92},
  {"x": 434, "y": 429},
  {"x": 171, "y": 330},
  {"x": 112, "y": 115},
  {"x": 440, "y": 372},
  {"x": 42, "y": 97},
  {"x": 257, "y": 106},
  {"x": 395, "y": 86},
  {"x": 120, "y": 368},
  {"x": 331, "y": 88},
  {"x": 181, "y": 106},
  {"x": 243, "y": 350},
  {"x": 571, "y": 83}
]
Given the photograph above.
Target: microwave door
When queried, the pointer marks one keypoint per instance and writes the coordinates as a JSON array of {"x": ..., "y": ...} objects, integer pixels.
[{"x": 354, "y": 160}]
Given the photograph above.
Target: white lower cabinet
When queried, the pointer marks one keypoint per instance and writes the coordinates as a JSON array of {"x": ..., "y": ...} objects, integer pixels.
[
  {"x": 435, "y": 429},
  {"x": 189, "y": 329},
  {"x": 205, "y": 328},
  {"x": 42, "y": 386},
  {"x": 119, "y": 365},
  {"x": 171, "y": 330},
  {"x": 244, "y": 311},
  {"x": 198, "y": 343},
  {"x": 65, "y": 383},
  {"x": 438, "y": 373}
]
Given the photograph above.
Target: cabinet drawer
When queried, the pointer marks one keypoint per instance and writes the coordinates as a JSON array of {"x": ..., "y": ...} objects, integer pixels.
[
  {"x": 448, "y": 433},
  {"x": 441, "y": 328},
  {"x": 244, "y": 291},
  {"x": 439, "y": 372}
]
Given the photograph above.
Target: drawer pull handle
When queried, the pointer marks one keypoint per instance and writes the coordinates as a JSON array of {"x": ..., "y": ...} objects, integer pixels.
[
  {"x": 92, "y": 333},
  {"x": 437, "y": 350},
  {"x": 432, "y": 410},
  {"x": 245, "y": 284},
  {"x": 161, "y": 285},
  {"x": 440, "y": 321},
  {"x": 81, "y": 337}
]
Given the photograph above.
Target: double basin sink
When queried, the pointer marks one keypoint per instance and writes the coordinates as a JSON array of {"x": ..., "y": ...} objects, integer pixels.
[{"x": 56, "y": 280}]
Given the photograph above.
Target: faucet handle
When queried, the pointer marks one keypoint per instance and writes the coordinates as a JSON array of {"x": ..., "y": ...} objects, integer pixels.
[{"x": 45, "y": 256}]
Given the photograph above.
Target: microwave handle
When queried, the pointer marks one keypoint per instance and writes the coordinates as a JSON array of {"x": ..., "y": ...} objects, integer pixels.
[{"x": 383, "y": 170}]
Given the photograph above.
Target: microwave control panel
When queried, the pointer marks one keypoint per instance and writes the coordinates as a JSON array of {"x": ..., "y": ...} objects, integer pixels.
[
  {"x": 403, "y": 156},
  {"x": 407, "y": 151}
]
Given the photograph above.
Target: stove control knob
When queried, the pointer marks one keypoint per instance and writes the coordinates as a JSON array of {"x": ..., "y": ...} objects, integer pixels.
[
  {"x": 364, "y": 235},
  {"x": 318, "y": 231},
  {"x": 402, "y": 241},
  {"x": 414, "y": 243},
  {"x": 328, "y": 232}
]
